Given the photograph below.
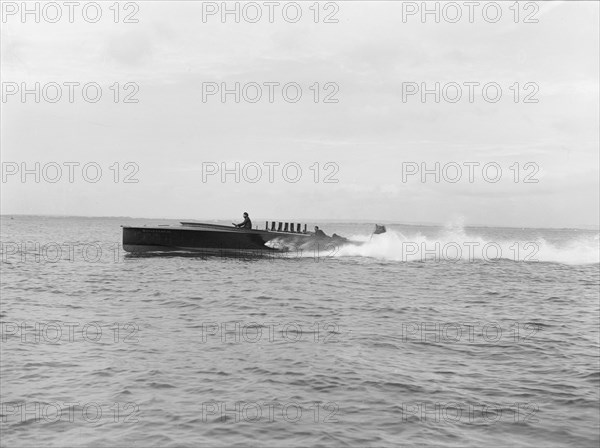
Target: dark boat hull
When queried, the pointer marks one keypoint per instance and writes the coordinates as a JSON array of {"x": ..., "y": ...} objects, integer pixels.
[{"x": 206, "y": 238}]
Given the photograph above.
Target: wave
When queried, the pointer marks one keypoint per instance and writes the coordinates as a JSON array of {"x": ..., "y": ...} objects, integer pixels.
[{"x": 454, "y": 244}]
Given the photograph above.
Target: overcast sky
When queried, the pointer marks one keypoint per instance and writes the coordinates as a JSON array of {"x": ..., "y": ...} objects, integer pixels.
[{"x": 369, "y": 56}]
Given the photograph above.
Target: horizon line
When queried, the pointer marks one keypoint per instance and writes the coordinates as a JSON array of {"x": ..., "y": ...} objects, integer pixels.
[{"x": 338, "y": 221}]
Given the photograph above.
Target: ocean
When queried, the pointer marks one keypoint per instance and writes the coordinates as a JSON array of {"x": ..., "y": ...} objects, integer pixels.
[{"x": 423, "y": 336}]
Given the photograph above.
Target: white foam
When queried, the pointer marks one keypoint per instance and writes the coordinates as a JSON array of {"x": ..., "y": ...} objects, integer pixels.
[{"x": 454, "y": 244}]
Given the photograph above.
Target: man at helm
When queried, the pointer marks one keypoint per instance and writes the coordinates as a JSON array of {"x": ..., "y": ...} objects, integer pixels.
[{"x": 246, "y": 224}]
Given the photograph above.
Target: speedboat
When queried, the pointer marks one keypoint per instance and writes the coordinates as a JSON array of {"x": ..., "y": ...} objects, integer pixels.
[{"x": 222, "y": 240}]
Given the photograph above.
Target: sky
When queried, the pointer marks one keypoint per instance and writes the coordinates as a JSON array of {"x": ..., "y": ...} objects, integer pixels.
[{"x": 355, "y": 151}]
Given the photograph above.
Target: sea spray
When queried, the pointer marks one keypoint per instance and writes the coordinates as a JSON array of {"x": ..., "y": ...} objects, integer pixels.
[{"x": 459, "y": 245}]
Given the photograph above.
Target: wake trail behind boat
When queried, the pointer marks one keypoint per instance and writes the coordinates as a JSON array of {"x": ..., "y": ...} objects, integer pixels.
[{"x": 454, "y": 245}]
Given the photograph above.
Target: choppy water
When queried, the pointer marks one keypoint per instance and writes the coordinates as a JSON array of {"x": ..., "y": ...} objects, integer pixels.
[{"x": 367, "y": 346}]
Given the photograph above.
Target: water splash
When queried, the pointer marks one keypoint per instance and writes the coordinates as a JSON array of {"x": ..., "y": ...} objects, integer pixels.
[{"x": 454, "y": 244}]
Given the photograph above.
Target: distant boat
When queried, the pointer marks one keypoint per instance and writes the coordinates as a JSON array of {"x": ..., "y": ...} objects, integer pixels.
[{"x": 218, "y": 239}]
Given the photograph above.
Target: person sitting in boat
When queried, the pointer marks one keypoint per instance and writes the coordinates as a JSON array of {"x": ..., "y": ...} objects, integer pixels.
[
  {"x": 319, "y": 233},
  {"x": 247, "y": 224}
]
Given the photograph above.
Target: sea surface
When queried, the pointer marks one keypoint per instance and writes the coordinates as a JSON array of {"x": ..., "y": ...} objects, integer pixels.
[{"x": 406, "y": 340}]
